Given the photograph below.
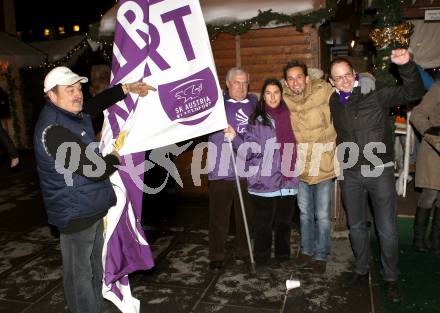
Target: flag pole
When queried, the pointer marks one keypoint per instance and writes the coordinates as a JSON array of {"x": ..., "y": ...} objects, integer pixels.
[{"x": 243, "y": 211}]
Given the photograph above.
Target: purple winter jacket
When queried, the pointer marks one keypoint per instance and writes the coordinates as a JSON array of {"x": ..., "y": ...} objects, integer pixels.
[
  {"x": 268, "y": 178},
  {"x": 219, "y": 158}
]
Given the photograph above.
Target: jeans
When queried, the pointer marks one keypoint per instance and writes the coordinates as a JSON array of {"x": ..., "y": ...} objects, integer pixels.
[
  {"x": 314, "y": 203},
  {"x": 355, "y": 190},
  {"x": 272, "y": 213},
  {"x": 82, "y": 269}
]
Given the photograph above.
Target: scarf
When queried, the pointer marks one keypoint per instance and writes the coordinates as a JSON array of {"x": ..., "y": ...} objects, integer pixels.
[
  {"x": 344, "y": 96},
  {"x": 283, "y": 130}
]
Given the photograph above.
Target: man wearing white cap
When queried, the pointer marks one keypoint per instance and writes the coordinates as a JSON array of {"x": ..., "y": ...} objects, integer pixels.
[{"x": 74, "y": 179}]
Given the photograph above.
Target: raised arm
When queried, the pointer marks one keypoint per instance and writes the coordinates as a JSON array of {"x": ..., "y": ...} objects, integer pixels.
[
  {"x": 412, "y": 88},
  {"x": 110, "y": 96}
]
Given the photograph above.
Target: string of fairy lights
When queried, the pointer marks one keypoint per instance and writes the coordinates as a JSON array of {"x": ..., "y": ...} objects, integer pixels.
[
  {"x": 263, "y": 18},
  {"x": 381, "y": 37},
  {"x": 105, "y": 44},
  {"x": 390, "y": 31}
]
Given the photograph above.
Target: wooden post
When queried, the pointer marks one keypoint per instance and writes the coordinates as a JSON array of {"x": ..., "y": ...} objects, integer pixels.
[{"x": 237, "y": 51}]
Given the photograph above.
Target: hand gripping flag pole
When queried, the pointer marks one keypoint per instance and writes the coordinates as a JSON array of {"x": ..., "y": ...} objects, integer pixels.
[{"x": 243, "y": 211}]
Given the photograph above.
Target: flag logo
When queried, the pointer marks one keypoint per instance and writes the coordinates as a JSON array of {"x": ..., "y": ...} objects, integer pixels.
[{"x": 190, "y": 100}]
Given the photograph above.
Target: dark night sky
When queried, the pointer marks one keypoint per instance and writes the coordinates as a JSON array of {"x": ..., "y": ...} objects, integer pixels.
[{"x": 39, "y": 14}]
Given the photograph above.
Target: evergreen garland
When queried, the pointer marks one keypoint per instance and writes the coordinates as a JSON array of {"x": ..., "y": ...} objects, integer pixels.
[
  {"x": 265, "y": 17},
  {"x": 262, "y": 19}
]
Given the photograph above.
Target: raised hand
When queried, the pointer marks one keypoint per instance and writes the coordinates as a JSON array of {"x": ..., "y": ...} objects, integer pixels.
[
  {"x": 14, "y": 162},
  {"x": 139, "y": 88},
  {"x": 400, "y": 56}
]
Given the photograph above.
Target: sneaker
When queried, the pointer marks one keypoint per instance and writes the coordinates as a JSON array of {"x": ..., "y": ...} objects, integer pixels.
[
  {"x": 303, "y": 260},
  {"x": 319, "y": 266},
  {"x": 393, "y": 293}
]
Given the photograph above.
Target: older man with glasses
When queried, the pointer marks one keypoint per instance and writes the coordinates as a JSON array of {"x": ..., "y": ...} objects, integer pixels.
[{"x": 362, "y": 123}]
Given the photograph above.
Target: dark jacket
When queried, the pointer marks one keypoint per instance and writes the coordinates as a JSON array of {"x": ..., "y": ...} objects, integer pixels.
[
  {"x": 366, "y": 119},
  {"x": 73, "y": 201}
]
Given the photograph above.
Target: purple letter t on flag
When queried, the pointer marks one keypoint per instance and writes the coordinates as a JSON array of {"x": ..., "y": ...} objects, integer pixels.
[{"x": 164, "y": 42}]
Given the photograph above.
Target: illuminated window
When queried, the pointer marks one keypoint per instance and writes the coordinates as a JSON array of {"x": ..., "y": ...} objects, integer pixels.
[
  {"x": 61, "y": 30},
  {"x": 76, "y": 28},
  {"x": 46, "y": 32}
]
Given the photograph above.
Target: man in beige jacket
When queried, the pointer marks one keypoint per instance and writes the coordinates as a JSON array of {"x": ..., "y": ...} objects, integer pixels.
[{"x": 308, "y": 102}]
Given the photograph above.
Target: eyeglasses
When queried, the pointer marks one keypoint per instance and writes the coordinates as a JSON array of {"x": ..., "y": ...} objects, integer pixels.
[{"x": 339, "y": 79}]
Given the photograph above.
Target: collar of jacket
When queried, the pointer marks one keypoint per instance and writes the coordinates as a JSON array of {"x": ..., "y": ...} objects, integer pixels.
[
  {"x": 78, "y": 116},
  {"x": 300, "y": 102},
  {"x": 250, "y": 97}
]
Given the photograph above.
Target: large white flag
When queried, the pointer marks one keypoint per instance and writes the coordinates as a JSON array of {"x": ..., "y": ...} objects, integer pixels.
[{"x": 164, "y": 43}]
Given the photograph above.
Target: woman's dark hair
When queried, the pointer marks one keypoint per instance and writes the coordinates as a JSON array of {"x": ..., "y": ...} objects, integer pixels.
[{"x": 260, "y": 109}]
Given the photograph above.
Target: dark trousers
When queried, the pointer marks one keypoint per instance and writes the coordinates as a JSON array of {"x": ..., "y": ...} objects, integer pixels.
[
  {"x": 223, "y": 195},
  {"x": 272, "y": 213},
  {"x": 355, "y": 191},
  {"x": 429, "y": 199}
]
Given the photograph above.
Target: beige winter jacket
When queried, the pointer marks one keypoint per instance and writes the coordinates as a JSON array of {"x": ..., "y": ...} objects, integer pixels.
[
  {"x": 314, "y": 131},
  {"x": 423, "y": 116}
]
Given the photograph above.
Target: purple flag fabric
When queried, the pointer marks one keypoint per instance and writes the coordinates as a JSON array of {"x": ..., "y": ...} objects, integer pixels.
[
  {"x": 164, "y": 43},
  {"x": 126, "y": 249}
]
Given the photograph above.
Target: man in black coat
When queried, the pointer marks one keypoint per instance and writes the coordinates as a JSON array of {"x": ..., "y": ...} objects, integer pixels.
[{"x": 363, "y": 126}]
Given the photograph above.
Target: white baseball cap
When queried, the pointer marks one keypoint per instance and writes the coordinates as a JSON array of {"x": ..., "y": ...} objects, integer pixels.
[{"x": 62, "y": 75}]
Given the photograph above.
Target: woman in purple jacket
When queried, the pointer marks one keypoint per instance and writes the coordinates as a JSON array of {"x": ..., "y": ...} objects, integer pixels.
[{"x": 272, "y": 183}]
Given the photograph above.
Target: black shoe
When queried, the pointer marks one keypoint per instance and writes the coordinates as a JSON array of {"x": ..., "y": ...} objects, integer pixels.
[
  {"x": 319, "y": 266},
  {"x": 357, "y": 279},
  {"x": 393, "y": 293},
  {"x": 303, "y": 260},
  {"x": 216, "y": 266}
]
